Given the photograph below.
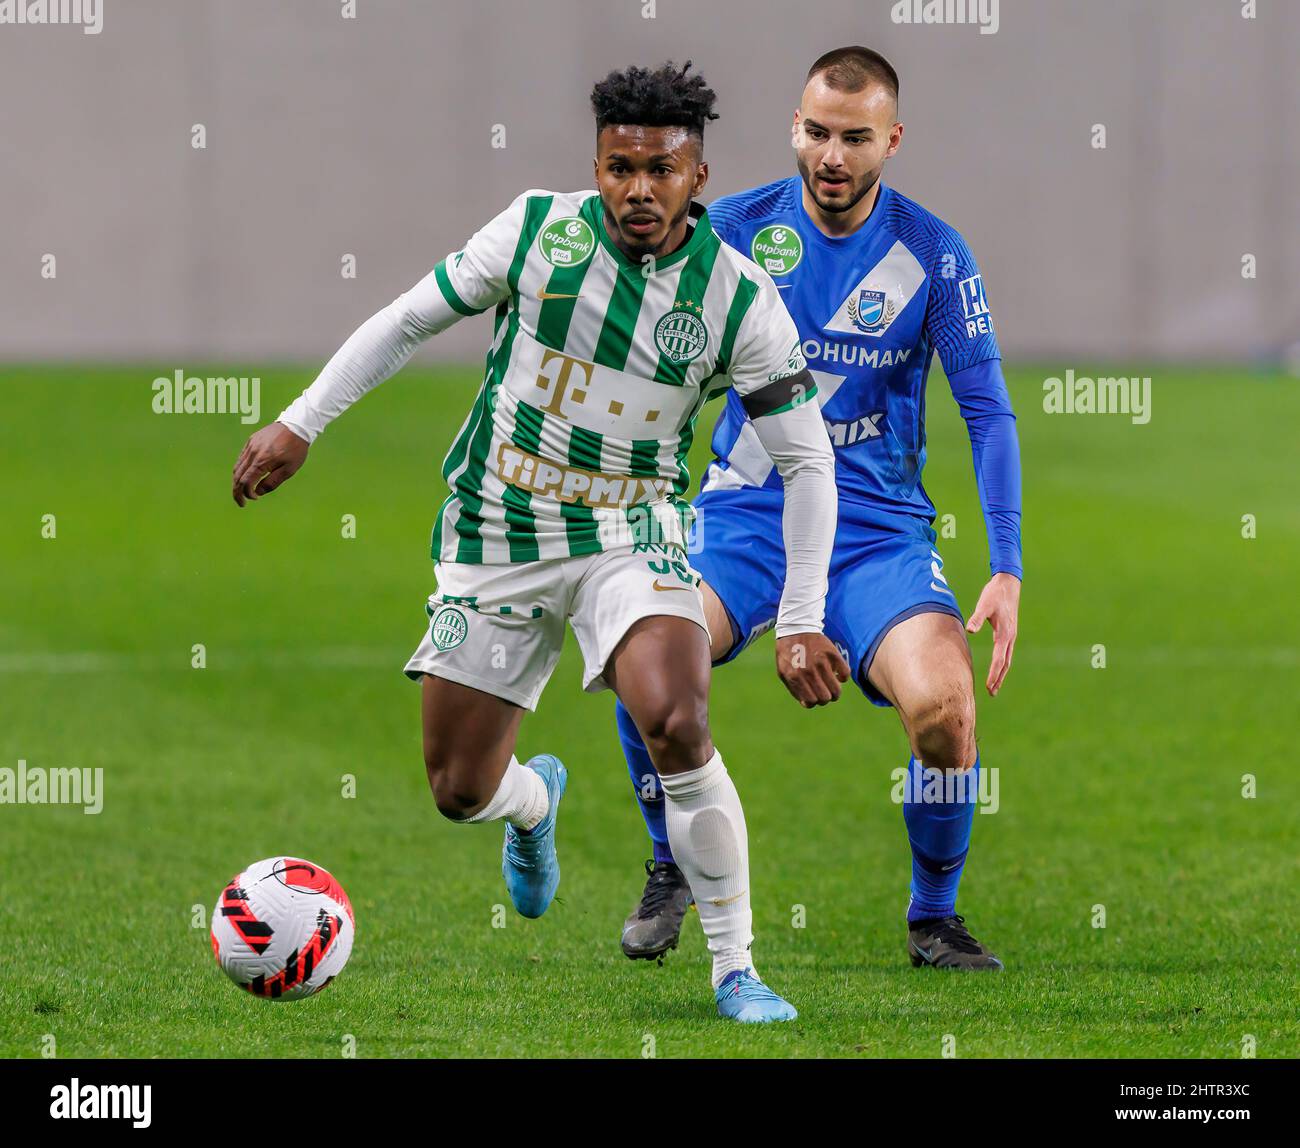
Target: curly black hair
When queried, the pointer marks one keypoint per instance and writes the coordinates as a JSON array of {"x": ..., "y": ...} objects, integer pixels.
[{"x": 664, "y": 97}]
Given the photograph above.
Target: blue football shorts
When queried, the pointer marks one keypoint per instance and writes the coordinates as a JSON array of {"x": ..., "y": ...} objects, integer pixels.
[{"x": 884, "y": 569}]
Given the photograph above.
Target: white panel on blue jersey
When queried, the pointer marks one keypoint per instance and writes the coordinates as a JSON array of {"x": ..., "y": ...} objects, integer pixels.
[
  {"x": 880, "y": 296},
  {"x": 827, "y": 385},
  {"x": 748, "y": 462}
]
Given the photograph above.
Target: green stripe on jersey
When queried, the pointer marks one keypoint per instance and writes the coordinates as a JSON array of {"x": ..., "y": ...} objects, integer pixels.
[
  {"x": 469, "y": 487},
  {"x": 459, "y": 448},
  {"x": 746, "y": 292},
  {"x": 691, "y": 286},
  {"x": 580, "y": 525},
  {"x": 620, "y": 318},
  {"x": 454, "y": 301},
  {"x": 556, "y": 314},
  {"x": 521, "y": 522},
  {"x": 644, "y": 463},
  {"x": 645, "y": 458},
  {"x": 553, "y": 323},
  {"x": 686, "y": 438},
  {"x": 622, "y": 309}
]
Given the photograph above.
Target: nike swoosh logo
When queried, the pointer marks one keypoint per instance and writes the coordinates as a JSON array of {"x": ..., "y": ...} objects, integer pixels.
[
  {"x": 949, "y": 868},
  {"x": 720, "y": 901},
  {"x": 928, "y": 954},
  {"x": 655, "y": 586},
  {"x": 544, "y": 295}
]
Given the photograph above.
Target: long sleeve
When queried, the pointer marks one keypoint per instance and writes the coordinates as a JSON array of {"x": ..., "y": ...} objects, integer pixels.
[
  {"x": 467, "y": 282},
  {"x": 772, "y": 379},
  {"x": 799, "y": 446},
  {"x": 375, "y": 351},
  {"x": 960, "y": 325},
  {"x": 981, "y": 395}
]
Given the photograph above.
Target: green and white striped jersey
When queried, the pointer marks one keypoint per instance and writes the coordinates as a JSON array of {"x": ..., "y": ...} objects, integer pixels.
[
  {"x": 598, "y": 368},
  {"x": 599, "y": 365}
]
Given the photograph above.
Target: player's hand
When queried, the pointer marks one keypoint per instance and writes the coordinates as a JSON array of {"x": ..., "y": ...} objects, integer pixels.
[
  {"x": 1000, "y": 604},
  {"x": 811, "y": 668},
  {"x": 271, "y": 456}
]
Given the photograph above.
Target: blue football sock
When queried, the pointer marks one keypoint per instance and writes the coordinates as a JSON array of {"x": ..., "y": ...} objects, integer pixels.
[
  {"x": 645, "y": 781},
  {"x": 939, "y": 833}
]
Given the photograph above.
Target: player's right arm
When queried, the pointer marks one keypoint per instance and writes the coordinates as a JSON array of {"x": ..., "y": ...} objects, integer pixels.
[
  {"x": 960, "y": 327},
  {"x": 779, "y": 395},
  {"x": 467, "y": 282}
]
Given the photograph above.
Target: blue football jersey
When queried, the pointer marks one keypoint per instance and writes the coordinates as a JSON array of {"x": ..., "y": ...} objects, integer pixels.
[{"x": 871, "y": 308}]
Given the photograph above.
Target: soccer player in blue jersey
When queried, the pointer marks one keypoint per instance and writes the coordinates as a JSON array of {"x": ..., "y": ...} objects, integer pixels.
[{"x": 876, "y": 285}]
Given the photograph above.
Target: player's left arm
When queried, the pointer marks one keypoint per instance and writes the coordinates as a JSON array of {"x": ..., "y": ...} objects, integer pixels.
[
  {"x": 778, "y": 393},
  {"x": 961, "y": 329},
  {"x": 466, "y": 283}
]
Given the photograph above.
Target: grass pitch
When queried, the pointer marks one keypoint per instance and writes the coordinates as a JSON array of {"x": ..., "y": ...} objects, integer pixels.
[{"x": 1119, "y": 787}]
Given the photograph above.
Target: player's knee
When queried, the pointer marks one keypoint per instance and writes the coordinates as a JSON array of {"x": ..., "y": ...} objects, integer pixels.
[
  {"x": 943, "y": 730},
  {"x": 677, "y": 732}
]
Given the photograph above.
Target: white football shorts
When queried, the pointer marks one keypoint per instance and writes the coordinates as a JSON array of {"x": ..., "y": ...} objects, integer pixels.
[{"x": 500, "y": 628}]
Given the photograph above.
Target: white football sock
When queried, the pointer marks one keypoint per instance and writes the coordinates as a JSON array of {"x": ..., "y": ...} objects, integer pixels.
[
  {"x": 706, "y": 829},
  {"x": 520, "y": 799}
]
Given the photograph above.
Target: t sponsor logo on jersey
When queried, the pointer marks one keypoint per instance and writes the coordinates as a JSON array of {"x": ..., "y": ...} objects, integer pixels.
[
  {"x": 680, "y": 335},
  {"x": 777, "y": 249},
  {"x": 566, "y": 242},
  {"x": 448, "y": 628},
  {"x": 975, "y": 307}
]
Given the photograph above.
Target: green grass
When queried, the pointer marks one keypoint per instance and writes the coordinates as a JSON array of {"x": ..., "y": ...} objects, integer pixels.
[{"x": 1119, "y": 786}]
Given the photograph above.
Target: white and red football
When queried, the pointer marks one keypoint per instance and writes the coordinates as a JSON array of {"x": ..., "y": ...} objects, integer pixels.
[{"x": 283, "y": 928}]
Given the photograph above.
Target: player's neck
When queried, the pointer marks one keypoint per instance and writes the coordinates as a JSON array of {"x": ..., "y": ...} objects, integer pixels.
[
  {"x": 676, "y": 238},
  {"x": 837, "y": 224}
]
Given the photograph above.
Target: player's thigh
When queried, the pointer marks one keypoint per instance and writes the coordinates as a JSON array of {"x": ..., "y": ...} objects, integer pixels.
[
  {"x": 660, "y": 672},
  {"x": 739, "y": 551},
  {"x": 493, "y": 639},
  {"x": 884, "y": 572},
  {"x": 923, "y": 667},
  {"x": 638, "y": 615},
  {"x": 721, "y": 636},
  {"x": 469, "y": 738}
]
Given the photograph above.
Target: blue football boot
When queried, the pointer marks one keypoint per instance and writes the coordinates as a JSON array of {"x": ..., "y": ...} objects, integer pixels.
[
  {"x": 743, "y": 997},
  {"x": 528, "y": 860}
]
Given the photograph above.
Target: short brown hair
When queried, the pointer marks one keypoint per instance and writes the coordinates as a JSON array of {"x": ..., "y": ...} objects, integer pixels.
[{"x": 852, "y": 69}]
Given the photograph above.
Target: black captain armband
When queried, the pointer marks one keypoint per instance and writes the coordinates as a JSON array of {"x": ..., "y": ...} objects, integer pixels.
[{"x": 781, "y": 395}]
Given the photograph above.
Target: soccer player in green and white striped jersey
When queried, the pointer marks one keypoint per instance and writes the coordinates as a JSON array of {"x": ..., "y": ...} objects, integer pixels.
[{"x": 617, "y": 314}]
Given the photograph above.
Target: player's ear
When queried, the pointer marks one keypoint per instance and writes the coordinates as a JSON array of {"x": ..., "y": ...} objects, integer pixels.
[
  {"x": 701, "y": 178},
  {"x": 895, "y": 140}
]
